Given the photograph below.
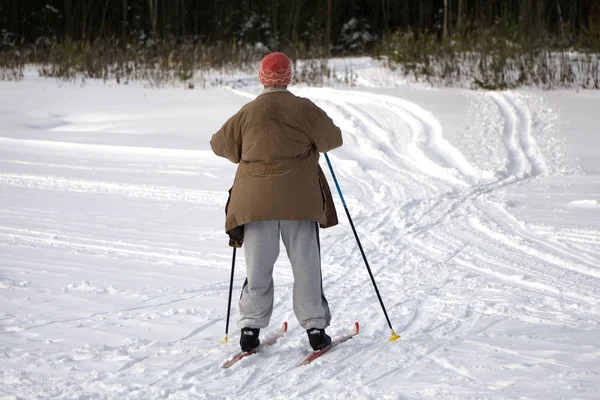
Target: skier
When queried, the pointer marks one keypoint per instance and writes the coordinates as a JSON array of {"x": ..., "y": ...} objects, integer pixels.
[{"x": 279, "y": 191}]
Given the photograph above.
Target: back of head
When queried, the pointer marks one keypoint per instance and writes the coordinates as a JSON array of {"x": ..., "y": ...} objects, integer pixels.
[{"x": 275, "y": 70}]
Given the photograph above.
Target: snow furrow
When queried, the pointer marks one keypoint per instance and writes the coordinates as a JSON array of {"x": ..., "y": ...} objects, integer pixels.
[
  {"x": 117, "y": 249},
  {"x": 517, "y": 163},
  {"x": 524, "y": 157},
  {"x": 207, "y": 198},
  {"x": 36, "y": 145}
]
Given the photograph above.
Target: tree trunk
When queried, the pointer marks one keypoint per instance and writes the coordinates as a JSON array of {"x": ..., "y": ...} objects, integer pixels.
[
  {"x": 385, "y": 11},
  {"x": 559, "y": 16},
  {"x": 421, "y": 26},
  {"x": 524, "y": 13},
  {"x": 540, "y": 20},
  {"x": 445, "y": 27},
  {"x": 177, "y": 17},
  {"x": 153, "y": 7},
  {"x": 84, "y": 15},
  {"x": 103, "y": 21},
  {"x": 274, "y": 21},
  {"x": 69, "y": 18},
  {"x": 124, "y": 22},
  {"x": 297, "y": 20},
  {"x": 328, "y": 31},
  {"x": 182, "y": 12},
  {"x": 594, "y": 18},
  {"x": 295, "y": 27}
]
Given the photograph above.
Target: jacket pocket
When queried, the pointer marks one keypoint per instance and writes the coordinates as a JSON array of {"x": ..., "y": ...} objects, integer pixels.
[
  {"x": 330, "y": 213},
  {"x": 236, "y": 235},
  {"x": 228, "y": 200}
]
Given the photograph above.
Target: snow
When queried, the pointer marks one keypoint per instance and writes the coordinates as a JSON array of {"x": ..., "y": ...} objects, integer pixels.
[
  {"x": 584, "y": 203},
  {"x": 479, "y": 213}
]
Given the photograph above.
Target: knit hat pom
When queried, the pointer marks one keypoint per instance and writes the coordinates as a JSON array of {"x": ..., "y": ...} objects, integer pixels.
[{"x": 275, "y": 70}]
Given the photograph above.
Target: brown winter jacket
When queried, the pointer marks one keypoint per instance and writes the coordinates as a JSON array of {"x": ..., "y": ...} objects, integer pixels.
[{"x": 276, "y": 139}]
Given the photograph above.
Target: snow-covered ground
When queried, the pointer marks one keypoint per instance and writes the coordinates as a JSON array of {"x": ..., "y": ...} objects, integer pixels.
[{"x": 479, "y": 212}]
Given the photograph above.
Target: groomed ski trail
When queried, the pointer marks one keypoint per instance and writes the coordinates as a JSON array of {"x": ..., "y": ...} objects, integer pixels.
[{"x": 471, "y": 289}]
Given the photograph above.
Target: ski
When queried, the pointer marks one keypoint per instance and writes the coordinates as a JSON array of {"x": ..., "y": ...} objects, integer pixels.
[
  {"x": 316, "y": 354},
  {"x": 264, "y": 343}
]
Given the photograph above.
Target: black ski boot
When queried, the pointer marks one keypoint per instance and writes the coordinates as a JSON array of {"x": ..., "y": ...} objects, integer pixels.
[
  {"x": 318, "y": 338},
  {"x": 249, "y": 339}
]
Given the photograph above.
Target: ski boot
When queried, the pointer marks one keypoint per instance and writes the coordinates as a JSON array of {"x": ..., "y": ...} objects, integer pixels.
[
  {"x": 249, "y": 339},
  {"x": 318, "y": 338}
]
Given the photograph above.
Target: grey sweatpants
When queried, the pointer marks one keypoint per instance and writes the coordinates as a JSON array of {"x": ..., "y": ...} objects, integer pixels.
[{"x": 261, "y": 247}]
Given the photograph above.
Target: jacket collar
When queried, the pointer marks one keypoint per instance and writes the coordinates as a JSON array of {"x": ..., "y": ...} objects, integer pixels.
[{"x": 274, "y": 89}]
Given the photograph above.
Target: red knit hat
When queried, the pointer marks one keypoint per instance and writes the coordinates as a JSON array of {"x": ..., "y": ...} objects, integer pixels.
[{"x": 275, "y": 70}]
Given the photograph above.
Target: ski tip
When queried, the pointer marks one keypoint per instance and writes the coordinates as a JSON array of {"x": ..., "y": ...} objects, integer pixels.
[
  {"x": 228, "y": 363},
  {"x": 356, "y": 328},
  {"x": 284, "y": 327}
]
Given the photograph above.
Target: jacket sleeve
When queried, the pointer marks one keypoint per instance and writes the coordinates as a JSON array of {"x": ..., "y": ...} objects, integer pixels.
[
  {"x": 227, "y": 142},
  {"x": 324, "y": 133}
]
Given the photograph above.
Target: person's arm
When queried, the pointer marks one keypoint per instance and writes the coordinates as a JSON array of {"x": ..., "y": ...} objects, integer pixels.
[
  {"x": 324, "y": 133},
  {"x": 227, "y": 142}
]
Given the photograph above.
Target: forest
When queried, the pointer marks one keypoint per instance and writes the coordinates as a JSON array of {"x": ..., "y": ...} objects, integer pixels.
[{"x": 68, "y": 37}]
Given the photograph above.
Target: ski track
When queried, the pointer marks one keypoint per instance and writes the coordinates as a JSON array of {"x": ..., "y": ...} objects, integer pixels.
[
  {"x": 453, "y": 264},
  {"x": 157, "y": 193},
  {"x": 524, "y": 158},
  {"x": 117, "y": 249},
  {"x": 104, "y": 151}
]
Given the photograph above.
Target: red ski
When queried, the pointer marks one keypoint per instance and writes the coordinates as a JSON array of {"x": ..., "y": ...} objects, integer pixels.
[
  {"x": 316, "y": 354},
  {"x": 264, "y": 343}
]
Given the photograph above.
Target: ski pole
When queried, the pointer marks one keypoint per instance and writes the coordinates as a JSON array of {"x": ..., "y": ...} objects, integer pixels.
[
  {"x": 394, "y": 336},
  {"x": 226, "y": 339}
]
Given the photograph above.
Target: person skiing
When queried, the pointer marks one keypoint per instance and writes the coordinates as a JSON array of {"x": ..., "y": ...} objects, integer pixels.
[{"x": 279, "y": 191}]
